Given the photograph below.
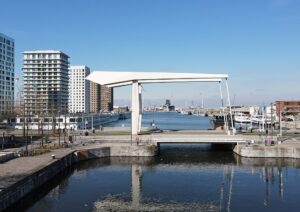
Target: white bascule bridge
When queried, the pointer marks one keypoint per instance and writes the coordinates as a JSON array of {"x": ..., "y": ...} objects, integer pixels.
[{"x": 136, "y": 79}]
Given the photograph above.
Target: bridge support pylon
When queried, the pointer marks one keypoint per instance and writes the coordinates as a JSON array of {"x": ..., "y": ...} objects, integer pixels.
[{"x": 136, "y": 108}]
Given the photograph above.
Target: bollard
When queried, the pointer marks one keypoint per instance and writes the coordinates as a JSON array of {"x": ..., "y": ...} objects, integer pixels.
[{"x": 53, "y": 156}]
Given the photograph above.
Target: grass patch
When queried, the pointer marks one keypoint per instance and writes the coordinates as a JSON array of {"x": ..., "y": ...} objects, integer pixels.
[
  {"x": 41, "y": 150},
  {"x": 112, "y": 133}
]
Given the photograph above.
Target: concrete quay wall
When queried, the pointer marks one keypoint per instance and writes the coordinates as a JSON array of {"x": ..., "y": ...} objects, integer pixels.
[
  {"x": 36, "y": 178},
  {"x": 19, "y": 189},
  {"x": 115, "y": 151},
  {"x": 5, "y": 156},
  {"x": 261, "y": 151}
]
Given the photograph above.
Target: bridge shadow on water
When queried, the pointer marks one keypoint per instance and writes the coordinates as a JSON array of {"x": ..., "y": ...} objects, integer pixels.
[{"x": 195, "y": 154}]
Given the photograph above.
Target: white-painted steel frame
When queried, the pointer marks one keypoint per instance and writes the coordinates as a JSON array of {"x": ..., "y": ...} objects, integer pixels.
[
  {"x": 163, "y": 81},
  {"x": 229, "y": 105},
  {"x": 118, "y": 79}
]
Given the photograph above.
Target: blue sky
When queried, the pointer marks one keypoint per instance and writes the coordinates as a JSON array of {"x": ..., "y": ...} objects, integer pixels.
[{"x": 256, "y": 42}]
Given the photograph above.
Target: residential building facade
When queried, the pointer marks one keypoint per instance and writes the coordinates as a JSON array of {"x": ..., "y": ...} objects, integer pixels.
[
  {"x": 106, "y": 98},
  {"x": 7, "y": 48},
  {"x": 46, "y": 82},
  {"x": 94, "y": 97},
  {"x": 101, "y": 98},
  {"x": 79, "y": 89},
  {"x": 288, "y": 106}
]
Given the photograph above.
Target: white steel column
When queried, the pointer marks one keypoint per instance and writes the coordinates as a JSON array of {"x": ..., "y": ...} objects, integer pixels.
[
  {"x": 222, "y": 105},
  {"x": 230, "y": 111},
  {"x": 135, "y": 108},
  {"x": 140, "y": 108}
]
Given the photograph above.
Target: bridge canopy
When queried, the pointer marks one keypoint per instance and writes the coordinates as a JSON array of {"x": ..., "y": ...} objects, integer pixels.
[{"x": 116, "y": 79}]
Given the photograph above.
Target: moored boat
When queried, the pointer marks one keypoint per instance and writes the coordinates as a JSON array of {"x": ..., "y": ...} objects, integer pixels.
[{"x": 242, "y": 118}]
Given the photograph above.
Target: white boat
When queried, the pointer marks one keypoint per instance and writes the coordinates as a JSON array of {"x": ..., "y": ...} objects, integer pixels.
[
  {"x": 186, "y": 112},
  {"x": 260, "y": 119},
  {"x": 153, "y": 127},
  {"x": 242, "y": 118},
  {"x": 183, "y": 112},
  {"x": 200, "y": 114}
]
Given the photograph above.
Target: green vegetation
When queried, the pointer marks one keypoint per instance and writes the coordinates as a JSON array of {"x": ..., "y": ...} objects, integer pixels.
[
  {"x": 46, "y": 148},
  {"x": 110, "y": 133}
]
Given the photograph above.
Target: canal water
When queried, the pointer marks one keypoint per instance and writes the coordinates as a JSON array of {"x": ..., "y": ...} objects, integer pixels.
[
  {"x": 169, "y": 121},
  {"x": 181, "y": 178},
  {"x": 189, "y": 177}
]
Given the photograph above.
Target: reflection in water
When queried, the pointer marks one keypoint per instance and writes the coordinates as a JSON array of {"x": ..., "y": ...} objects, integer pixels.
[
  {"x": 181, "y": 178},
  {"x": 136, "y": 175},
  {"x": 269, "y": 177},
  {"x": 226, "y": 187},
  {"x": 111, "y": 203}
]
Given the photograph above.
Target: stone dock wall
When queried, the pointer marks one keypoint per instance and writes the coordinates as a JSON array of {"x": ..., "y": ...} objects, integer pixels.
[
  {"x": 115, "y": 151},
  {"x": 5, "y": 156},
  {"x": 18, "y": 190},
  {"x": 261, "y": 151}
]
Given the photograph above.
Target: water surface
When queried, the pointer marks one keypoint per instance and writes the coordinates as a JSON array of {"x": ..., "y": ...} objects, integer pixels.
[
  {"x": 169, "y": 121},
  {"x": 182, "y": 178}
]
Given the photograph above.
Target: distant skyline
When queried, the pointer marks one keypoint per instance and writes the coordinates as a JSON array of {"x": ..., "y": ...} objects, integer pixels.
[{"x": 256, "y": 42}]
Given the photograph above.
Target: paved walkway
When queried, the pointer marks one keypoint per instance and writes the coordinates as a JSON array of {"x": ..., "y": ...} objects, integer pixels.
[{"x": 16, "y": 169}]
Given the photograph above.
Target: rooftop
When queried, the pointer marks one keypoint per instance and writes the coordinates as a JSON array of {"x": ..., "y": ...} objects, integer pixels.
[
  {"x": 44, "y": 52},
  {"x": 78, "y": 67},
  {"x": 6, "y": 37}
]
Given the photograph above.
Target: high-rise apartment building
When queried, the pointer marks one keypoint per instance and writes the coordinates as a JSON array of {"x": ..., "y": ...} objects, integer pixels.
[
  {"x": 101, "y": 98},
  {"x": 94, "y": 97},
  {"x": 79, "y": 89},
  {"x": 106, "y": 98},
  {"x": 45, "y": 82},
  {"x": 7, "y": 47}
]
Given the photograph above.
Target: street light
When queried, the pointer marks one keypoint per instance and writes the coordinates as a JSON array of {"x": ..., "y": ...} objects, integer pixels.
[
  {"x": 3, "y": 140},
  {"x": 272, "y": 128},
  {"x": 280, "y": 124}
]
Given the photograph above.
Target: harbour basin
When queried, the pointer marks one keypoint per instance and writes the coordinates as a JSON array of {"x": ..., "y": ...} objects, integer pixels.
[{"x": 183, "y": 177}]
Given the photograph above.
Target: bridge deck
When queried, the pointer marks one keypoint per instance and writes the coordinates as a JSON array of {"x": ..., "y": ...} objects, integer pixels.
[
  {"x": 175, "y": 137},
  {"x": 194, "y": 138}
]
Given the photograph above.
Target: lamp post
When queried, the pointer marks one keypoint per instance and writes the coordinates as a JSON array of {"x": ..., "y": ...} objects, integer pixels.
[
  {"x": 3, "y": 140},
  {"x": 27, "y": 140},
  {"x": 280, "y": 124},
  {"x": 65, "y": 129},
  {"x": 272, "y": 118},
  {"x": 24, "y": 115},
  {"x": 202, "y": 102}
]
